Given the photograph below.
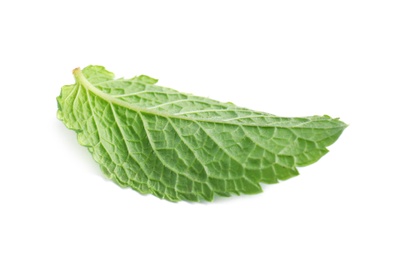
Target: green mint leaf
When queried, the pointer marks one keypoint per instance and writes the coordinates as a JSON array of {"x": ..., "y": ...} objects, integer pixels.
[{"x": 183, "y": 147}]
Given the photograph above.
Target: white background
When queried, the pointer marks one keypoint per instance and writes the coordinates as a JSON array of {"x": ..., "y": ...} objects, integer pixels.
[{"x": 290, "y": 58}]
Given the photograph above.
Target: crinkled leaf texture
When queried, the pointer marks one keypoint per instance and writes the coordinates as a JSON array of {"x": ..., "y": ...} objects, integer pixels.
[{"x": 183, "y": 147}]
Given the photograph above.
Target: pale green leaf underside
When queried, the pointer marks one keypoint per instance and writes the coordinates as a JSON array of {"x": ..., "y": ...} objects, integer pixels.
[{"x": 183, "y": 147}]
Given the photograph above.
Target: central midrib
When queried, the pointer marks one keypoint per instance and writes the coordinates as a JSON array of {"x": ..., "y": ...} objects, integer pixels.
[{"x": 88, "y": 85}]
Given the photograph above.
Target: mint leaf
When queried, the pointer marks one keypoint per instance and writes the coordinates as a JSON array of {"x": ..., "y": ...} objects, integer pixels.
[{"x": 183, "y": 147}]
